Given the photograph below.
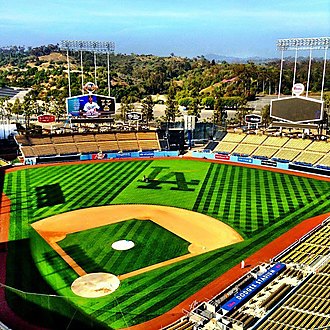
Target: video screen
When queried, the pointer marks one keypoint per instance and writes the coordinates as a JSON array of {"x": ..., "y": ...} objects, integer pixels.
[
  {"x": 90, "y": 106},
  {"x": 296, "y": 109}
]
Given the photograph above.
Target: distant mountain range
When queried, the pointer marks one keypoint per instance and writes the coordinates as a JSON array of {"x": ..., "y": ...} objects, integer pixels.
[
  {"x": 232, "y": 59},
  {"x": 258, "y": 60}
]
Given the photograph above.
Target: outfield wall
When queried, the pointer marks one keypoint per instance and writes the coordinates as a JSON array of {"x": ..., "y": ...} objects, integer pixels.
[
  {"x": 242, "y": 160},
  {"x": 262, "y": 162},
  {"x": 196, "y": 154},
  {"x": 135, "y": 154},
  {"x": 94, "y": 156}
]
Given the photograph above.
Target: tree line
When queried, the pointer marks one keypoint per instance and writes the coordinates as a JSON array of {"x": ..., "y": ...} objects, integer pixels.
[{"x": 193, "y": 83}]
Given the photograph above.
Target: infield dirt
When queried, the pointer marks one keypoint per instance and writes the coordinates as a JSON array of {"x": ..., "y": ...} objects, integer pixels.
[{"x": 203, "y": 232}]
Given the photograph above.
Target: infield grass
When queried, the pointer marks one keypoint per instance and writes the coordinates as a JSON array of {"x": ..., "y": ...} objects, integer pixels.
[
  {"x": 153, "y": 244},
  {"x": 259, "y": 204}
]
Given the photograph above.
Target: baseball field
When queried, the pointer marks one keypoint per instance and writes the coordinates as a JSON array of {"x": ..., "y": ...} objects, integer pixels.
[{"x": 214, "y": 216}]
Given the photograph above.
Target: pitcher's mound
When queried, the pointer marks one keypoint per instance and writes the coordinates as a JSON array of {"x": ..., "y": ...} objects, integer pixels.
[
  {"x": 123, "y": 245},
  {"x": 95, "y": 285}
]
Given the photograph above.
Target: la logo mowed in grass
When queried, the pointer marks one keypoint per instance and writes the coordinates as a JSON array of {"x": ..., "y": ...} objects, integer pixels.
[{"x": 156, "y": 179}]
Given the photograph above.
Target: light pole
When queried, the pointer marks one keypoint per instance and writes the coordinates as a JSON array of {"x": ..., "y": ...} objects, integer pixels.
[
  {"x": 96, "y": 47},
  {"x": 295, "y": 44}
]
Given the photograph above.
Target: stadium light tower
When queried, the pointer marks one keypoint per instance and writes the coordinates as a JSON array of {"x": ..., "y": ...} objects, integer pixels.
[
  {"x": 303, "y": 44},
  {"x": 96, "y": 47}
]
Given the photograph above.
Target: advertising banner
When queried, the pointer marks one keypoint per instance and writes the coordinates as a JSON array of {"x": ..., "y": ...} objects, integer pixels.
[
  {"x": 30, "y": 161},
  {"x": 146, "y": 154},
  {"x": 99, "y": 155},
  {"x": 46, "y": 119},
  {"x": 269, "y": 163},
  {"x": 136, "y": 116},
  {"x": 90, "y": 106},
  {"x": 253, "y": 119},
  {"x": 252, "y": 288},
  {"x": 245, "y": 160},
  {"x": 222, "y": 157},
  {"x": 124, "y": 155}
]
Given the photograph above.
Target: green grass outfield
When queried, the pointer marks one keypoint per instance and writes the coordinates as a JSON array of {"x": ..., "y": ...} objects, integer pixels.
[{"x": 260, "y": 205}]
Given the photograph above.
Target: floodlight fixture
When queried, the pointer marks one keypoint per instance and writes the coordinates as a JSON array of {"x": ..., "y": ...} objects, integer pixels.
[
  {"x": 96, "y": 47},
  {"x": 303, "y": 43},
  {"x": 310, "y": 44},
  {"x": 102, "y": 47}
]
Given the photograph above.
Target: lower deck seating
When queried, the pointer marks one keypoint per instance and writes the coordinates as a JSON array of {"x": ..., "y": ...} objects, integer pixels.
[
  {"x": 149, "y": 145},
  {"x": 128, "y": 145},
  {"x": 287, "y": 154},
  {"x": 66, "y": 148},
  {"x": 225, "y": 146},
  {"x": 108, "y": 146},
  {"x": 246, "y": 149},
  {"x": 88, "y": 147},
  {"x": 28, "y": 151},
  {"x": 325, "y": 160},
  {"x": 268, "y": 152},
  {"x": 308, "y": 157},
  {"x": 44, "y": 150}
]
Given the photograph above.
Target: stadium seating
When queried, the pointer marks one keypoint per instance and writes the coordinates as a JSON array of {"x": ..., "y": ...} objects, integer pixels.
[
  {"x": 146, "y": 135},
  {"x": 246, "y": 149},
  {"x": 128, "y": 145},
  {"x": 265, "y": 151},
  {"x": 105, "y": 137},
  {"x": 126, "y": 136},
  {"x": 254, "y": 139},
  {"x": 84, "y": 138},
  {"x": 233, "y": 137},
  {"x": 273, "y": 141},
  {"x": 59, "y": 139},
  {"x": 299, "y": 294},
  {"x": 308, "y": 157},
  {"x": 66, "y": 148},
  {"x": 299, "y": 144},
  {"x": 44, "y": 150},
  {"x": 211, "y": 145},
  {"x": 325, "y": 160},
  {"x": 40, "y": 140},
  {"x": 227, "y": 147},
  {"x": 28, "y": 151},
  {"x": 319, "y": 146},
  {"x": 22, "y": 140},
  {"x": 108, "y": 146},
  {"x": 88, "y": 147},
  {"x": 181, "y": 324},
  {"x": 87, "y": 143},
  {"x": 149, "y": 145},
  {"x": 287, "y": 154}
]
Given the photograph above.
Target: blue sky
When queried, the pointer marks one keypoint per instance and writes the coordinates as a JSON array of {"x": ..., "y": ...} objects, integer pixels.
[{"x": 183, "y": 27}]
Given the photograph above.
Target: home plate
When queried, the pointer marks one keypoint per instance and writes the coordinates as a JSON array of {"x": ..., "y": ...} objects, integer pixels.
[
  {"x": 123, "y": 245},
  {"x": 95, "y": 285}
]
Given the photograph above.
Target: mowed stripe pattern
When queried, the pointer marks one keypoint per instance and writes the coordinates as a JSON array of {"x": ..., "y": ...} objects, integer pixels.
[
  {"x": 82, "y": 186},
  {"x": 260, "y": 204},
  {"x": 249, "y": 199},
  {"x": 146, "y": 235}
]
